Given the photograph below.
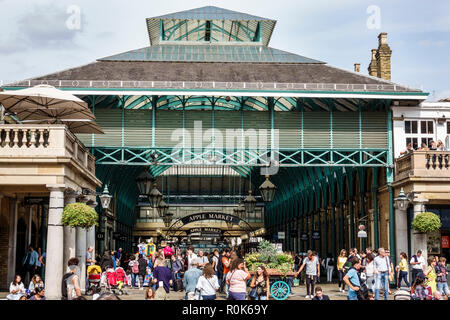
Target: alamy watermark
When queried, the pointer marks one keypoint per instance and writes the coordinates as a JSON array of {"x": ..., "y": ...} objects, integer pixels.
[
  {"x": 374, "y": 19},
  {"x": 73, "y": 22},
  {"x": 230, "y": 146}
]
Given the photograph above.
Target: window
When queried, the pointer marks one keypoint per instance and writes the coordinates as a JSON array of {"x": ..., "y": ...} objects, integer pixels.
[{"x": 418, "y": 132}]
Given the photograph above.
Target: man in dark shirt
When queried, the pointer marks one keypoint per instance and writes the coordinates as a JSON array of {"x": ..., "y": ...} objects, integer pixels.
[
  {"x": 319, "y": 294},
  {"x": 162, "y": 276}
]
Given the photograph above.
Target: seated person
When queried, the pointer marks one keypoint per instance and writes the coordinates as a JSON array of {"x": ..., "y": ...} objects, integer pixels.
[{"x": 319, "y": 294}]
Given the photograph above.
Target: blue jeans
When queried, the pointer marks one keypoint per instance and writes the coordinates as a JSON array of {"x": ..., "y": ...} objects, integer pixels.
[
  {"x": 236, "y": 295},
  {"x": 352, "y": 295},
  {"x": 442, "y": 287},
  {"x": 403, "y": 275},
  {"x": 212, "y": 297},
  {"x": 382, "y": 282},
  {"x": 290, "y": 282},
  {"x": 133, "y": 279}
]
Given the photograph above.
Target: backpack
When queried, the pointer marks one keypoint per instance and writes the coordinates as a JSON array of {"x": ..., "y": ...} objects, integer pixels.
[
  {"x": 220, "y": 265},
  {"x": 348, "y": 265},
  {"x": 135, "y": 267},
  {"x": 331, "y": 262},
  {"x": 64, "y": 285},
  {"x": 363, "y": 292}
]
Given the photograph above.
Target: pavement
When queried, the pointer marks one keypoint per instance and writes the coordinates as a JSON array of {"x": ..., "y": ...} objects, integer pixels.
[{"x": 298, "y": 293}]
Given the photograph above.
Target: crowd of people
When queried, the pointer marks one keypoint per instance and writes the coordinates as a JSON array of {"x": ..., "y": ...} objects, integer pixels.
[
  {"x": 158, "y": 271},
  {"x": 434, "y": 146}
]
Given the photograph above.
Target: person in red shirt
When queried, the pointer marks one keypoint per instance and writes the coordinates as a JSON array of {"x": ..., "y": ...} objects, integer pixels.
[{"x": 226, "y": 268}]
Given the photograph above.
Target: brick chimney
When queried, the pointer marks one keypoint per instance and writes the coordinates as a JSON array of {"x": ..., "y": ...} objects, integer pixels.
[
  {"x": 383, "y": 57},
  {"x": 380, "y": 64},
  {"x": 357, "y": 67}
]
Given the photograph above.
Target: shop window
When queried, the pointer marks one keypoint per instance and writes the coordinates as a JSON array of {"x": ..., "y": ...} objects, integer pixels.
[{"x": 419, "y": 132}]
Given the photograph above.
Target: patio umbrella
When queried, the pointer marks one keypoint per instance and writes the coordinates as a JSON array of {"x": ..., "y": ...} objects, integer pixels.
[
  {"x": 74, "y": 125},
  {"x": 43, "y": 102}
]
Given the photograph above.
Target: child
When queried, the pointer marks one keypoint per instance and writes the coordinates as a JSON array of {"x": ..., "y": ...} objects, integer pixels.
[
  {"x": 441, "y": 273},
  {"x": 149, "y": 294},
  {"x": 419, "y": 289},
  {"x": 319, "y": 294}
]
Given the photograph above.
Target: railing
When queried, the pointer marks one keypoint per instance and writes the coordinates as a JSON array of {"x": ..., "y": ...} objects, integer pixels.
[
  {"x": 43, "y": 141},
  {"x": 214, "y": 85},
  {"x": 423, "y": 164}
]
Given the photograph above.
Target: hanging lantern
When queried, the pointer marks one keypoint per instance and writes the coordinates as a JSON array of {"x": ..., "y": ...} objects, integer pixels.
[
  {"x": 250, "y": 202},
  {"x": 154, "y": 197},
  {"x": 163, "y": 208},
  {"x": 167, "y": 219},
  {"x": 267, "y": 190},
  {"x": 239, "y": 211},
  {"x": 105, "y": 198},
  {"x": 144, "y": 182},
  {"x": 402, "y": 201}
]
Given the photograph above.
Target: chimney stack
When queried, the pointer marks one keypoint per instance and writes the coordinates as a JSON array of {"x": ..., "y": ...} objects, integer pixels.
[
  {"x": 380, "y": 64},
  {"x": 357, "y": 67},
  {"x": 373, "y": 68}
]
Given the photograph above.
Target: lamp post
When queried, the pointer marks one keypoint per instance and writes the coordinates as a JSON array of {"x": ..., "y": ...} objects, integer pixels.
[
  {"x": 401, "y": 204},
  {"x": 167, "y": 219},
  {"x": 162, "y": 208},
  {"x": 267, "y": 189},
  {"x": 250, "y": 202},
  {"x": 105, "y": 200},
  {"x": 144, "y": 182},
  {"x": 239, "y": 211},
  {"x": 154, "y": 197}
]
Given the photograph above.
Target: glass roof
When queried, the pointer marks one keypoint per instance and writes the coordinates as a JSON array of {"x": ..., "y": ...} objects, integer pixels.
[
  {"x": 210, "y": 53},
  {"x": 210, "y": 13}
]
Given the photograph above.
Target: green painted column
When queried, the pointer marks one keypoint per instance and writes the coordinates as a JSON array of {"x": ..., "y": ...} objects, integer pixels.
[
  {"x": 333, "y": 230},
  {"x": 351, "y": 210},
  {"x": 390, "y": 179},
  {"x": 341, "y": 225},
  {"x": 376, "y": 239}
]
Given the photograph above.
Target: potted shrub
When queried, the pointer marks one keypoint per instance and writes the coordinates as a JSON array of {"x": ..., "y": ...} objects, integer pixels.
[
  {"x": 79, "y": 215},
  {"x": 426, "y": 222}
]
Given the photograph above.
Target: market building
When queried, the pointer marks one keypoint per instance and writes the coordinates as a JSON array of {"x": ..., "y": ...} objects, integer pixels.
[{"x": 209, "y": 111}]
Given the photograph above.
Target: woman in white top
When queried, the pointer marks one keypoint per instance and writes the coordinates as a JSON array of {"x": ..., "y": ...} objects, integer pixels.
[
  {"x": 36, "y": 282},
  {"x": 16, "y": 289},
  {"x": 207, "y": 283},
  {"x": 369, "y": 269}
]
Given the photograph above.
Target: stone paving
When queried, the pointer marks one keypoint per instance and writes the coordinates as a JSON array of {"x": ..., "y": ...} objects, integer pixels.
[{"x": 298, "y": 293}]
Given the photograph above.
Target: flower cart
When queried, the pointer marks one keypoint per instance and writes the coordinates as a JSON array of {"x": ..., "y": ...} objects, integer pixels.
[{"x": 278, "y": 266}]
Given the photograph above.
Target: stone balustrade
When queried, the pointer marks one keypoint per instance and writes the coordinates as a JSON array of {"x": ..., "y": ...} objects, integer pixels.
[
  {"x": 43, "y": 142},
  {"x": 424, "y": 164}
]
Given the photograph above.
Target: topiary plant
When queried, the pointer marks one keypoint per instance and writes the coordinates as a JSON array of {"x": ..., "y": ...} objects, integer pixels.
[
  {"x": 79, "y": 215},
  {"x": 426, "y": 222}
]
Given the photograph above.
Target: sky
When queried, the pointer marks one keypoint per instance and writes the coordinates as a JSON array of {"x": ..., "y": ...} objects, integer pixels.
[{"x": 39, "y": 37}]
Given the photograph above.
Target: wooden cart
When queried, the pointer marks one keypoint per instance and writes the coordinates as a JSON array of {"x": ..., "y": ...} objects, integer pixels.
[{"x": 279, "y": 289}]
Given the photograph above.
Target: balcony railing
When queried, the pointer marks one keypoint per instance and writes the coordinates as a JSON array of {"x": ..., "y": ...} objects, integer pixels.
[
  {"x": 423, "y": 164},
  {"x": 43, "y": 142}
]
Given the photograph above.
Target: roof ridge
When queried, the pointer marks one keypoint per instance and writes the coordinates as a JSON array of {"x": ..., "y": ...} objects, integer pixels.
[
  {"x": 204, "y": 11},
  {"x": 372, "y": 77}
]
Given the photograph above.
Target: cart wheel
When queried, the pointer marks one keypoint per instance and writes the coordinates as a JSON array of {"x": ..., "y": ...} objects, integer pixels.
[{"x": 280, "y": 290}]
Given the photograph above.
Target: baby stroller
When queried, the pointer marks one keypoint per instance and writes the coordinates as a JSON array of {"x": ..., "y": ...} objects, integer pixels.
[
  {"x": 121, "y": 279},
  {"x": 94, "y": 274},
  {"x": 111, "y": 280}
]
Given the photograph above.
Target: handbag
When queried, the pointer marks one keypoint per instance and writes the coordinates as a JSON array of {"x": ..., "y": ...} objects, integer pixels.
[
  {"x": 197, "y": 294},
  {"x": 253, "y": 294}
]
